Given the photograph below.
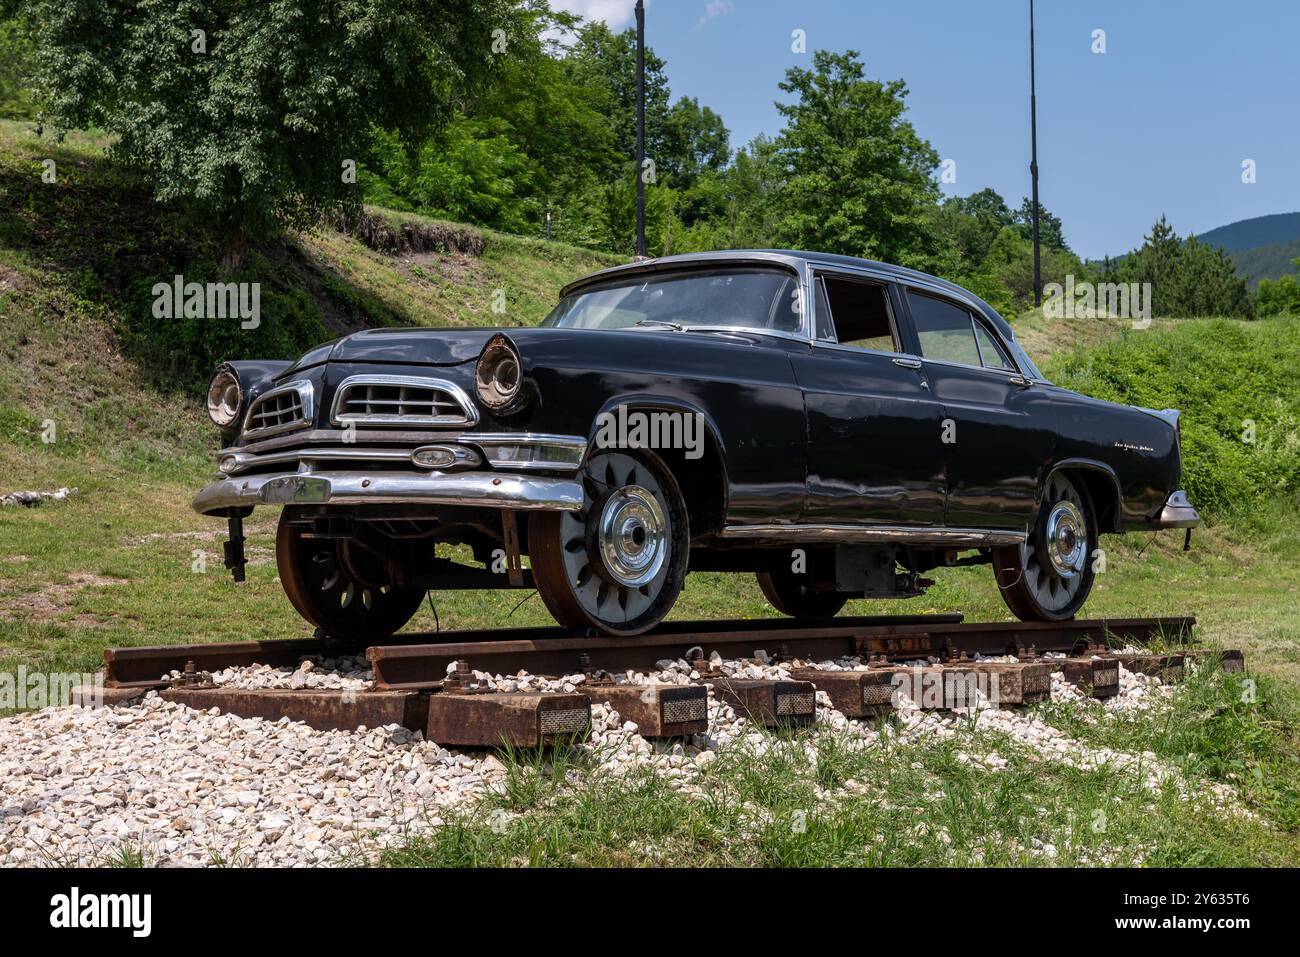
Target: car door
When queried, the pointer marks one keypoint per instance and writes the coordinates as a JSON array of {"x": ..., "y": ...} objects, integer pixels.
[
  {"x": 999, "y": 429},
  {"x": 874, "y": 455}
]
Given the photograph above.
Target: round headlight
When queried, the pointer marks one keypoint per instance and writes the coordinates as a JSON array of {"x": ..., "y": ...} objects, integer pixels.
[
  {"x": 499, "y": 376},
  {"x": 224, "y": 398}
]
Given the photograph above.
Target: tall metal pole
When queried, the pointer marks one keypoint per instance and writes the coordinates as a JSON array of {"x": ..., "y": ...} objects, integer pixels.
[
  {"x": 640, "y": 128},
  {"x": 1033, "y": 162}
]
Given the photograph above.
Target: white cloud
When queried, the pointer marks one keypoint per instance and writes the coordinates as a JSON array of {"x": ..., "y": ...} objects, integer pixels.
[
  {"x": 616, "y": 13},
  {"x": 714, "y": 9}
]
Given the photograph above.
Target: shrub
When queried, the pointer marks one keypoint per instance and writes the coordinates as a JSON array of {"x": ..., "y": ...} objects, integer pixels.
[{"x": 1236, "y": 386}]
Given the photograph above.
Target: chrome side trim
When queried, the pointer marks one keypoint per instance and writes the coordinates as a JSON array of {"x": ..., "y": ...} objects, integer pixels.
[
  {"x": 470, "y": 489},
  {"x": 530, "y": 451},
  {"x": 467, "y": 419},
  {"x": 306, "y": 398},
  {"x": 780, "y": 534}
]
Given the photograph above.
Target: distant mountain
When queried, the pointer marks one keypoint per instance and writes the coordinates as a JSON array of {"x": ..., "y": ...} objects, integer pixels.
[
  {"x": 1274, "y": 230},
  {"x": 1261, "y": 248},
  {"x": 1267, "y": 262}
]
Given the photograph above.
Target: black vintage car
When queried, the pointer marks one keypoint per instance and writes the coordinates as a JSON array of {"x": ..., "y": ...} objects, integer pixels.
[{"x": 838, "y": 427}]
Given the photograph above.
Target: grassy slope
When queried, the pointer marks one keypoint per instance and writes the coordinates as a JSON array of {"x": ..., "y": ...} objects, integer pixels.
[{"x": 120, "y": 563}]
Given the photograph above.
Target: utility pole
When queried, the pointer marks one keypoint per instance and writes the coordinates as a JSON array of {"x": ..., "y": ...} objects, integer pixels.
[
  {"x": 1033, "y": 161},
  {"x": 640, "y": 128}
]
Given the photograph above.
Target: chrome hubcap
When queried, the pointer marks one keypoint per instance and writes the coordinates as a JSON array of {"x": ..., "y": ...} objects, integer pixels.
[
  {"x": 1054, "y": 559},
  {"x": 631, "y": 536},
  {"x": 1067, "y": 539},
  {"x": 616, "y": 550}
]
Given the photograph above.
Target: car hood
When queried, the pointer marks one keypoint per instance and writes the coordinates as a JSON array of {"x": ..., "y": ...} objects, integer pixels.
[
  {"x": 437, "y": 347},
  {"x": 447, "y": 347}
]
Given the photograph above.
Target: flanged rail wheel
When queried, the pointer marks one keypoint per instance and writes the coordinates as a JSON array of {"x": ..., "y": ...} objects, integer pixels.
[
  {"x": 617, "y": 565},
  {"x": 339, "y": 587},
  {"x": 1049, "y": 576},
  {"x": 796, "y": 596}
]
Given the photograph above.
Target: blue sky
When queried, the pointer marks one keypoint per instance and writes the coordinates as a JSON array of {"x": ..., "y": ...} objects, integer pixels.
[{"x": 1161, "y": 122}]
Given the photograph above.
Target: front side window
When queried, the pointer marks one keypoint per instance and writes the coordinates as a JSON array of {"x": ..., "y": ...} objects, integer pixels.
[{"x": 762, "y": 299}]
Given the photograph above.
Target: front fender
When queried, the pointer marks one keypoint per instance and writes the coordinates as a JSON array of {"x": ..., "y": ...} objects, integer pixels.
[{"x": 649, "y": 402}]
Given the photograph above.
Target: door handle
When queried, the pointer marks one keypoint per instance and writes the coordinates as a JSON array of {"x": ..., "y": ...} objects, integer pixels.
[
  {"x": 1020, "y": 381},
  {"x": 907, "y": 363}
]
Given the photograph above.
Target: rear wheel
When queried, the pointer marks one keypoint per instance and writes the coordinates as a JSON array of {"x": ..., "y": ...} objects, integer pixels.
[
  {"x": 617, "y": 565},
  {"x": 340, "y": 587},
  {"x": 798, "y": 597},
  {"x": 1049, "y": 576}
]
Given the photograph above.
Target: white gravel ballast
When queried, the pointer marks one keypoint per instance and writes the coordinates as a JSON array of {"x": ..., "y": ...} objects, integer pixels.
[{"x": 192, "y": 788}]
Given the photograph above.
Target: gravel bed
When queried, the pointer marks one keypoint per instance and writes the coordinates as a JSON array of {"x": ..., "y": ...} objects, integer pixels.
[{"x": 194, "y": 788}]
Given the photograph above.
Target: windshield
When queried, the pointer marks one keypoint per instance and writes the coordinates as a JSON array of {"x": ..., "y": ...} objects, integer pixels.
[{"x": 736, "y": 298}]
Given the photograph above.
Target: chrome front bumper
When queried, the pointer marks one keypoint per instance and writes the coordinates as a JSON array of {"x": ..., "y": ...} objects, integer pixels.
[
  {"x": 1177, "y": 512},
  {"x": 474, "y": 489}
]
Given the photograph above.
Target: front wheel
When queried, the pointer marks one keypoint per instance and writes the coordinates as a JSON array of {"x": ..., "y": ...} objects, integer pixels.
[
  {"x": 617, "y": 565},
  {"x": 1049, "y": 576},
  {"x": 340, "y": 587}
]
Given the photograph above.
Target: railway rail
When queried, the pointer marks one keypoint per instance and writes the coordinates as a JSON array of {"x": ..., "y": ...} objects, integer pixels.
[{"x": 426, "y": 681}]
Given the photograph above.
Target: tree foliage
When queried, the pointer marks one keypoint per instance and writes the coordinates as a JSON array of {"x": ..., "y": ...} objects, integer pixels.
[
  {"x": 859, "y": 180},
  {"x": 1188, "y": 278},
  {"x": 1280, "y": 297},
  {"x": 250, "y": 110},
  {"x": 507, "y": 114}
]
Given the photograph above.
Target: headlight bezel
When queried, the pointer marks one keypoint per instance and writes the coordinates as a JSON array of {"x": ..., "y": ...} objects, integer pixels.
[
  {"x": 220, "y": 390},
  {"x": 499, "y": 375}
]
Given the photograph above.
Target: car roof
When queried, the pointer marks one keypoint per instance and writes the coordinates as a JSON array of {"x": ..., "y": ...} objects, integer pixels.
[{"x": 794, "y": 259}]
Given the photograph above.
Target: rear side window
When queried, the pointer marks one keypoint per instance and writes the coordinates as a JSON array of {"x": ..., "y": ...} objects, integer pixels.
[
  {"x": 854, "y": 312},
  {"x": 945, "y": 330}
]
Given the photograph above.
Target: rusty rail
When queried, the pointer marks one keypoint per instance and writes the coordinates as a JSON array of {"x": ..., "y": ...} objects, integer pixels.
[
  {"x": 409, "y": 667},
  {"x": 413, "y": 687}
]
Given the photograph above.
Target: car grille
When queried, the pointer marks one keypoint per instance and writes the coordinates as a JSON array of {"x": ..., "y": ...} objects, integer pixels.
[
  {"x": 402, "y": 401},
  {"x": 280, "y": 410}
]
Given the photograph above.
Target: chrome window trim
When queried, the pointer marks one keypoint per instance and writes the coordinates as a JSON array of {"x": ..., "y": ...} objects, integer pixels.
[
  {"x": 1006, "y": 373},
  {"x": 468, "y": 420},
  {"x": 614, "y": 277},
  {"x": 895, "y": 333},
  {"x": 306, "y": 397},
  {"x": 998, "y": 344},
  {"x": 782, "y": 533},
  {"x": 974, "y": 312},
  {"x": 573, "y": 447},
  {"x": 735, "y": 330}
]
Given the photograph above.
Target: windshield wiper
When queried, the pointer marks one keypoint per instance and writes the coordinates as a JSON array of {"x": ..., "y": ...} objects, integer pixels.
[{"x": 660, "y": 322}]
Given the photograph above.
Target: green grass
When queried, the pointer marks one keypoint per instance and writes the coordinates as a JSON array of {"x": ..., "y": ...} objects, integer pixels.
[{"x": 819, "y": 802}]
